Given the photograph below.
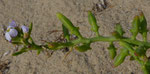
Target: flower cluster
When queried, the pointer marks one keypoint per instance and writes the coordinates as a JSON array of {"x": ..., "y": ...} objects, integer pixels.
[{"x": 13, "y": 31}]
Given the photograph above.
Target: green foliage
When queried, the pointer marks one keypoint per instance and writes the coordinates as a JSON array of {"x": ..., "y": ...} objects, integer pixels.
[
  {"x": 93, "y": 22},
  {"x": 20, "y": 52},
  {"x": 131, "y": 47},
  {"x": 83, "y": 47},
  {"x": 121, "y": 57},
  {"x": 135, "y": 27},
  {"x": 112, "y": 50},
  {"x": 68, "y": 24},
  {"x": 119, "y": 29},
  {"x": 66, "y": 33},
  {"x": 143, "y": 26}
]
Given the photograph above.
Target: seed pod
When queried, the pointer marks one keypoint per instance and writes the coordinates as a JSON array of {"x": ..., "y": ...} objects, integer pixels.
[
  {"x": 143, "y": 26},
  {"x": 112, "y": 50},
  {"x": 135, "y": 27},
  {"x": 121, "y": 57},
  {"x": 119, "y": 29},
  {"x": 93, "y": 22},
  {"x": 83, "y": 47},
  {"x": 66, "y": 33},
  {"x": 68, "y": 24}
]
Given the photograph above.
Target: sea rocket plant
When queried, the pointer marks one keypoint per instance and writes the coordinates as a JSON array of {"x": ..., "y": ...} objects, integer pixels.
[{"x": 130, "y": 46}]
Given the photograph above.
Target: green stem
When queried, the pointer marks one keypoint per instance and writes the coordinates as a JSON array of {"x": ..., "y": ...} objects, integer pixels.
[
  {"x": 97, "y": 34},
  {"x": 101, "y": 38}
]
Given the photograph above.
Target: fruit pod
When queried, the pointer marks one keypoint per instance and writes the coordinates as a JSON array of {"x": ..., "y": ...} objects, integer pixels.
[
  {"x": 143, "y": 26},
  {"x": 112, "y": 50},
  {"x": 66, "y": 33},
  {"x": 119, "y": 29},
  {"x": 121, "y": 57},
  {"x": 83, "y": 47},
  {"x": 135, "y": 27},
  {"x": 68, "y": 24},
  {"x": 93, "y": 22}
]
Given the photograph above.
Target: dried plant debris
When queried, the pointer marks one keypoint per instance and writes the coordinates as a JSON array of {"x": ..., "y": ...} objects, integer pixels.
[
  {"x": 100, "y": 6},
  {"x": 4, "y": 66},
  {"x": 3, "y": 29}
]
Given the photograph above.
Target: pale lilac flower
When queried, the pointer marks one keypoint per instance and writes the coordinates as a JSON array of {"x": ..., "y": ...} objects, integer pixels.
[
  {"x": 11, "y": 34},
  {"x": 7, "y": 36},
  {"x": 25, "y": 29},
  {"x": 11, "y": 31},
  {"x": 12, "y": 25}
]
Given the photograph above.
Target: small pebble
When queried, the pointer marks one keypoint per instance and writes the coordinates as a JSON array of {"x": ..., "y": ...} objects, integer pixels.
[{"x": 6, "y": 53}]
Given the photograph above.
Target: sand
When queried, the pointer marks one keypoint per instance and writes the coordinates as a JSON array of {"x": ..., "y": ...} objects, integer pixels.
[{"x": 43, "y": 14}]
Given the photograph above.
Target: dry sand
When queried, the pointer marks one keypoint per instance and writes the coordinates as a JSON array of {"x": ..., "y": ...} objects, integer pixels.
[{"x": 43, "y": 14}]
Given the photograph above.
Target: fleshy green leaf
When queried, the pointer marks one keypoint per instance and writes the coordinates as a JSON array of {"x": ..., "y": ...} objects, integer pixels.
[
  {"x": 93, "y": 22},
  {"x": 135, "y": 27},
  {"x": 116, "y": 34},
  {"x": 30, "y": 28},
  {"x": 112, "y": 50},
  {"x": 119, "y": 29},
  {"x": 20, "y": 52},
  {"x": 68, "y": 24},
  {"x": 146, "y": 67},
  {"x": 66, "y": 33},
  {"x": 83, "y": 47},
  {"x": 121, "y": 57},
  {"x": 140, "y": 51},
  {"x": 143, "y": 26}
]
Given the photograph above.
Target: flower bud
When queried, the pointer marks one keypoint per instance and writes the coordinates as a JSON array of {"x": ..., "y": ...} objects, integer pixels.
[
  {"x": 12, "y": 24},
  {"x": 25, "y": 30}
]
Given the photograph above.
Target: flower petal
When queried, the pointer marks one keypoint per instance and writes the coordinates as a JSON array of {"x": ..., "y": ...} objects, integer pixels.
[
  {"x": 13, "y": 32},
  {"x": 13, "y": 24},
  {"x": 7, "y": 36},
  {"x": 25, "y": 29}
]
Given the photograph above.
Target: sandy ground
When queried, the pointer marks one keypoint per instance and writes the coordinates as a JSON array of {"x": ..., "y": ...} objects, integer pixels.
[{"x": 43, "y": 14}]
